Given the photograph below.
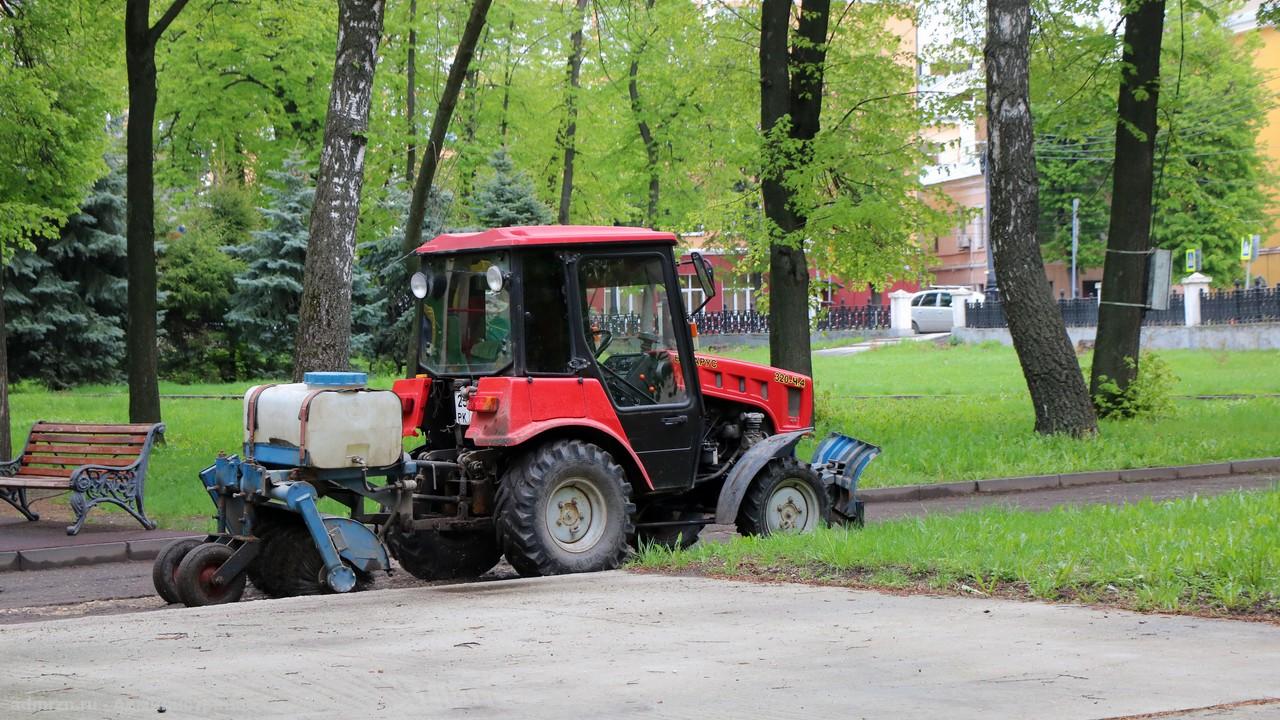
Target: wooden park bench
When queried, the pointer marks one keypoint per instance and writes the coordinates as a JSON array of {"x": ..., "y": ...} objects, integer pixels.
[{"x": 97, "y": 463}]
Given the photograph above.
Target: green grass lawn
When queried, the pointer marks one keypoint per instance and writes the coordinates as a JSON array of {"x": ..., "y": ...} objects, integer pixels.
[
  {"x": 981, "y": 428},
  {"x": 1216, "y": 555}
]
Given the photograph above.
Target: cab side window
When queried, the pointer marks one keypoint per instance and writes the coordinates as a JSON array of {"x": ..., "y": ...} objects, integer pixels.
[{"x": 630, "y": 329}]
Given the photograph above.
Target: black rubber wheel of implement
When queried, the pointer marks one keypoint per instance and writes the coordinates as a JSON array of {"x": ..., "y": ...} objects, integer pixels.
[
  {"x": 784, "y": 497},
  {"x": 564, "y": 508},
  {"x": 195, "y": 577},
  {"x": 295, "y": 566},
  {"x": 164, "y": 571},
  {"x": 671, "y": 537},
  {"x": 444, "y": 555}
]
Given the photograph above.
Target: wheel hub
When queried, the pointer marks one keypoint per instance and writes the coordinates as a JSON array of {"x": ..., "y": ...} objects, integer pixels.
[
  {"x": 792, "y": 508},
  {"x": 576, "y": 515}
]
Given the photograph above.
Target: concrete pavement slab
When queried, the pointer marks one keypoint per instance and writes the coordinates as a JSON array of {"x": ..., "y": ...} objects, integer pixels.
[{"x": 619, "y": 644}]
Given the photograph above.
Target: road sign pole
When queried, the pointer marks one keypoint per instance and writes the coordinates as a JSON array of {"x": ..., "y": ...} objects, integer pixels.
[{"x": 1075, "y": 245}]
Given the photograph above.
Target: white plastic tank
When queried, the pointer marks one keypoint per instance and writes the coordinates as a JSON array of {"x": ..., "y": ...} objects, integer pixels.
[{"x": 345, "y": 424}]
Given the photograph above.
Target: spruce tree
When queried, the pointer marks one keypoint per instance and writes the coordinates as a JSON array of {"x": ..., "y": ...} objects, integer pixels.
[
  {"x": 508, "y": 199},
  {"x": 383, "y": 309},
  {"x": 65, "y": 299},
  {"x": 264, "y": 306}
]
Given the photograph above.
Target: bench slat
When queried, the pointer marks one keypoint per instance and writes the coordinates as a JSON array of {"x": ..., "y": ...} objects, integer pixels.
[
  {"x": 47, "y": 449},
  {"x": 37, "y": 471},
  {"x": 35, "y": 481},
  {"x": 143, "y": 428},
  {"x": 73, "y": 461},
  {"x": 100, "y": 439}
]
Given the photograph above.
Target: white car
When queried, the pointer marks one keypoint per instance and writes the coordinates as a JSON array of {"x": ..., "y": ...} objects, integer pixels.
[{"x": 931, "y": 311}]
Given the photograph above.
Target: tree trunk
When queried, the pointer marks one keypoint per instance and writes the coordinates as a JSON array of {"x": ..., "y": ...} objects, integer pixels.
[
  {"x": 324, "y": 314},
  {"x": 646, "y": 134},
  {"x": 140, "y": 343},
  {"x": 431, "y": 156},
  {"x": 790, "y": 86},
  {"x": 411, "y": 94},
  {"x": 1049, "y": 364},
  {"x": 1124, "y": 274},
  {"x": 569, "y": 136},
  {"x": 6, "y": 440}
]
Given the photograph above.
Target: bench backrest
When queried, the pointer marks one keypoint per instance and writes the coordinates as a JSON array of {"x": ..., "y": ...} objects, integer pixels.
[{"x": 57, "y": 449}]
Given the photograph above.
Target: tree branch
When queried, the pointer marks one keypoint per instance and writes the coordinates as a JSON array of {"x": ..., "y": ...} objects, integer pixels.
[{"x": 163, "y": 23}]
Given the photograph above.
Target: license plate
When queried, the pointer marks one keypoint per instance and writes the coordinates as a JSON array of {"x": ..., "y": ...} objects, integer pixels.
[{"x": 461, "y": 413}]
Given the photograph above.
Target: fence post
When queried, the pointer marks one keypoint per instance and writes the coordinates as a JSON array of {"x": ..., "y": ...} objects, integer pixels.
[
  {"x": 1192, "y": 287},
  {"x": 900, "y": 312},
  {"x": 959, "y": 305}
]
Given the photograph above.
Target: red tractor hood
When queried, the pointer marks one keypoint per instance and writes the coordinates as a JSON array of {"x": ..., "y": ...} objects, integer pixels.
[{"x": 785, "y": 397}]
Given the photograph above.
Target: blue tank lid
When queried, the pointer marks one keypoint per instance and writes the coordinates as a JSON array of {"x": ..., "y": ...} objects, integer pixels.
[{"x": 336, "y": 379}]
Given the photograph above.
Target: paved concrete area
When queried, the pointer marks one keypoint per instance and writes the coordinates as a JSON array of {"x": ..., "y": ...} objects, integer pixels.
[
  {"x": 873, "y": 343},
  {"x": 17, "y": 533},
  {"x": 618, "y": 645}
]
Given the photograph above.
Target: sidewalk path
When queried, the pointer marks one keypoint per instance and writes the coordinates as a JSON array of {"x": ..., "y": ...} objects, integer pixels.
[
  {"x": 878, "y": 342},
  {"x": 619, "y": 644}
]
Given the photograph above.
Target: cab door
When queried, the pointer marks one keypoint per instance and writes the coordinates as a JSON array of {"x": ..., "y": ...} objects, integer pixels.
[{"x": 633, "y": 337}]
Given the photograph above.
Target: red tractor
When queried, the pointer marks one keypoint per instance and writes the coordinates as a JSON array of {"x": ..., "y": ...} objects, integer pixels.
[{"x": 566, "y": 413}]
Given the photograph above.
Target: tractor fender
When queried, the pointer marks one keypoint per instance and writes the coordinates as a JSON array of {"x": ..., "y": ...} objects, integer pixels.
[{"x": 748, "y": 466}]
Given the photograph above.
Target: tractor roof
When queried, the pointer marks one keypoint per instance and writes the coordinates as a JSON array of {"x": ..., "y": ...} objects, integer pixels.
[{"x": 542, "y": 235}]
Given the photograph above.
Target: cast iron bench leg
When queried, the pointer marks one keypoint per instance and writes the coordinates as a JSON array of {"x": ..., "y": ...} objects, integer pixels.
[{"x": 17, "y": 497}]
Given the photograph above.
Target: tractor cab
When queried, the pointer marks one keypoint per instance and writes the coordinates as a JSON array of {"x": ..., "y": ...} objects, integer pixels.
[{"x": 555, "y": 305}]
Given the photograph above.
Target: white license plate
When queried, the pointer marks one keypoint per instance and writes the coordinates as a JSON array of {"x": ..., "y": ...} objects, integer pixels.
[{"x": 461, "y": 414}]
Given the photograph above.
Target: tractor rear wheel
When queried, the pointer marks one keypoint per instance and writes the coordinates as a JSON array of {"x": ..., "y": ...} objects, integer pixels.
[
  {"x": 290, "y": 565},
  {"x": 443, "y": 554},
  {"x": 164, "y": 571},
  {"x": 195, "y": 577},
  {"x": 786, "y": 497},
  {"x": 564, "y": 508}
]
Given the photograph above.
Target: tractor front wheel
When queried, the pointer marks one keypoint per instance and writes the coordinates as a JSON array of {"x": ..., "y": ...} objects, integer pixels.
[
  {"x": 444, "y": 554},
  {"x": 786, "y": 497},
  {"x": 195, "y": 577},
  {"x": 564, "y": 508}
]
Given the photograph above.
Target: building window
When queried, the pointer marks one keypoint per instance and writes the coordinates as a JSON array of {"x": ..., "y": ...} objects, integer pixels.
[
  {"x": 692, "y": 293},
  {"x": 740, "y": 291}
]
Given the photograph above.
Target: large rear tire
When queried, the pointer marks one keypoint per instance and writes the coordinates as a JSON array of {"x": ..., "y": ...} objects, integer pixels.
[
  {"x": 785, "y": 497},
  {"x": 444, "y": 555},
  {"x": 564, "y": 508}
]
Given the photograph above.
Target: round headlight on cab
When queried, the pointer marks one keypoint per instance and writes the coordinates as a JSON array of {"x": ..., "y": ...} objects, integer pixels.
[
  {"x": 495, "y": 277},
  {"x": 418, "y": 284}
]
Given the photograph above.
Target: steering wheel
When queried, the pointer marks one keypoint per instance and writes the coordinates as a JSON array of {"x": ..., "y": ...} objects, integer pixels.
[{"x": 597, "y": 332}]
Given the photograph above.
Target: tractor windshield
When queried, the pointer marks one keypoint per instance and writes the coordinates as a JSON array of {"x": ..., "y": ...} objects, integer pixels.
[{"x": 466, "y": 315}]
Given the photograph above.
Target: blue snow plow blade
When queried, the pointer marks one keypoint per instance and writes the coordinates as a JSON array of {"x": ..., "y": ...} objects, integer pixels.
[{"x": 842, "y": 459}]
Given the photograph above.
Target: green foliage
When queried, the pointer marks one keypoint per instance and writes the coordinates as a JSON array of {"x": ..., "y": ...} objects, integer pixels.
[
  {"x": 65, "y": 297},
  {"x": 1212, "y": 182},
  {"x": 56, "y": 88},
  {"x": 264, "y": 305},
  {"x": 197, "y": 279},
  {"x": 507, "y": 199},
  {"x": 1150, "y": 395},
  {"x": 1196, "y": 554}
]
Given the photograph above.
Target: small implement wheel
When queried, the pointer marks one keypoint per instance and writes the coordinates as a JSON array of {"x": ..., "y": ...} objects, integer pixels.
[
  {"x": 444, "y": 555},
  {"x": 785, "y": 497},
  {"x": 164, "y": 571},
  {"x": 564, "y": 508},
  {"x": 195, "y": 577}
]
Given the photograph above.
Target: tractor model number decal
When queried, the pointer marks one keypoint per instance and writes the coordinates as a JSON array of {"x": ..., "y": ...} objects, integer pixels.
[
  {"x": 792, "y": 380},
  {"x": 707, "y": 362}
]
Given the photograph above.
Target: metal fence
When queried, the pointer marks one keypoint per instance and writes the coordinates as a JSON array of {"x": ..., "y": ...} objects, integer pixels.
[
  {"x": 1227, "y": 307},
  {"x": 729, "y": 322}
]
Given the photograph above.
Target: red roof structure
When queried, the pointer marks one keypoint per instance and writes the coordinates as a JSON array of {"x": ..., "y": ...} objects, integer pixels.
[{"x": 542, "y": 235}]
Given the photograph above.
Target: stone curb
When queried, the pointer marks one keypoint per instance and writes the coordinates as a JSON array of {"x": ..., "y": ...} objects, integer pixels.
[
  {"x": 79, "y": 555},
  {"x": 999, "y": 486}
]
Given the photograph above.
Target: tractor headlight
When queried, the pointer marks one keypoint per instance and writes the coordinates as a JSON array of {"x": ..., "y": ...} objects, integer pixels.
[
  {"x": 495, "y": 277},
  {"x": 418, "y": 284}
]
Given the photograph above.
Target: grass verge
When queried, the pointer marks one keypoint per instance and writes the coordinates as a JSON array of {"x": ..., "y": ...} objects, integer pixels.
[{"x": 1217, "y": 556}]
